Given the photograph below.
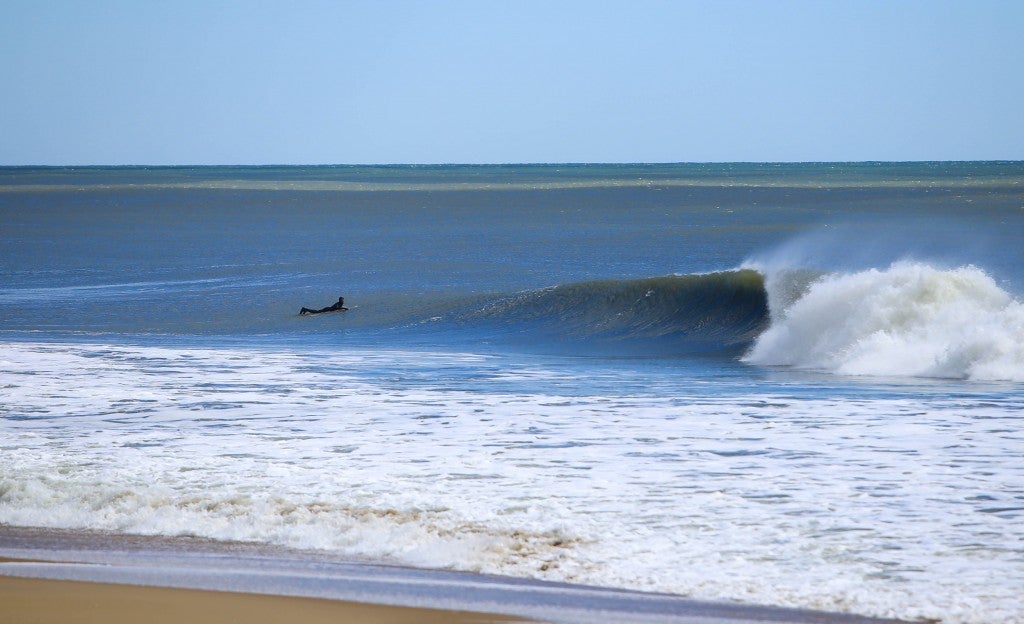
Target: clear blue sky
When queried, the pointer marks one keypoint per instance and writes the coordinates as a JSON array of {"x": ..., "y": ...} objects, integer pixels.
[{"x": 238, "y": 82}]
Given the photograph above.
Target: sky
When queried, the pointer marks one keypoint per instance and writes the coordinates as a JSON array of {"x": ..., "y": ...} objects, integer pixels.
[{"x": 509, "y": 81}]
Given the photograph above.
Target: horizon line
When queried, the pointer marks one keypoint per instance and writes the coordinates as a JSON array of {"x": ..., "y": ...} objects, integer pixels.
[{"x": 504, "y": 164}]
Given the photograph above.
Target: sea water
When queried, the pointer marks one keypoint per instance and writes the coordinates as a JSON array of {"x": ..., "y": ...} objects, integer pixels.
[{"x": 790, "y": 385}]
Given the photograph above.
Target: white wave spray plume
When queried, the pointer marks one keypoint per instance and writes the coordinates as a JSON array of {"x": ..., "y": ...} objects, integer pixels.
[{"x": 910, "y": 319}]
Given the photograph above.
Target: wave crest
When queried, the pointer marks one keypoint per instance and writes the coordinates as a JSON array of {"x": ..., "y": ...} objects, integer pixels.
[{"x": 910, "y": 319}]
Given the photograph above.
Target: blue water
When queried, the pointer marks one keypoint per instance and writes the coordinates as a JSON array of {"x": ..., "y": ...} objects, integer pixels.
[{"x": 783, "y": 372}]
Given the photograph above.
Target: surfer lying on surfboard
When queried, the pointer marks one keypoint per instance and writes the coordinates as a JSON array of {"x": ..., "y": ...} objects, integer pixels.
[{"x": 337, "y": 307}]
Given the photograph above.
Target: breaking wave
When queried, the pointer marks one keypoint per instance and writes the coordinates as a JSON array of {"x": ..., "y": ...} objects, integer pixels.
[{"x": 910, "y": 319}]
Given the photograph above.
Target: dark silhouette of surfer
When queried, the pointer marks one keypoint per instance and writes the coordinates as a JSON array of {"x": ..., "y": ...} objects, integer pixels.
[{"x": 337, "y": 307}]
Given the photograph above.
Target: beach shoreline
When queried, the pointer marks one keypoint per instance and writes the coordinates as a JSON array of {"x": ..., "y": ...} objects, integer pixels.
[
  {"x": 54, "y": 575},
  {"x": 84, "y": 602}
]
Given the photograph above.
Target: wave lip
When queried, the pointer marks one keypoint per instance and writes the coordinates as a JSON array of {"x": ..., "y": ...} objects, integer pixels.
[{"x": 910, "y": 319}]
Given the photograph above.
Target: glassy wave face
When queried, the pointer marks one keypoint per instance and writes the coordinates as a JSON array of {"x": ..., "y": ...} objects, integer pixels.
[
  {"x": 792, "y": 385},
  {"x": 659, "y": 315}
]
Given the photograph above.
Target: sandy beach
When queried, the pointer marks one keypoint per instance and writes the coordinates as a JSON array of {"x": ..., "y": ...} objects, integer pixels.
[
  {"x": 46, "y": 601},
  {"x": 92, "y": 577}
]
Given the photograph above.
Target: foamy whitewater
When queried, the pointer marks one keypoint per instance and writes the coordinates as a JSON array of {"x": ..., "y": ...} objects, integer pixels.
[
  {"x": 551, "y": 372},
  {"x": 909, "y": 319}
]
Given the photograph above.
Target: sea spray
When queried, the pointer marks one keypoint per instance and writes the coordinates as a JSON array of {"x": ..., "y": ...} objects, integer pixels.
[{"x": 910, "y": 319}]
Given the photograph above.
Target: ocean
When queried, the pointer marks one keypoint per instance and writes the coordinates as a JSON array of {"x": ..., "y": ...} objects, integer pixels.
[{"x": 782, "y": 384}]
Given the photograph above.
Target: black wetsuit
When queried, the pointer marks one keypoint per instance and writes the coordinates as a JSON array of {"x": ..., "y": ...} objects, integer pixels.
[{"x": 337, "y": 307}]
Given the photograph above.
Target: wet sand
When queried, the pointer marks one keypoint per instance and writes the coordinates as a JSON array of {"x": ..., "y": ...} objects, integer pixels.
[
  {"x": 76, "y": 602},
  {"x": 57, "y": 576}
]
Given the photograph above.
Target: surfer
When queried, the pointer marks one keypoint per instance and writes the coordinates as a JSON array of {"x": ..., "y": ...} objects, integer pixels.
[{"x": 337, "y": 307}]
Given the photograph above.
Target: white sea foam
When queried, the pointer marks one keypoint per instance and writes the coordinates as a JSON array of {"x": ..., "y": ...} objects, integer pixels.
[
  {"x": 906, "y": 507},
  {"x": 910, "y": 319}
]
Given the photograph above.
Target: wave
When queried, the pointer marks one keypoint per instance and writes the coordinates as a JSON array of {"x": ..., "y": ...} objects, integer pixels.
[
  {"x": 700, "y": 312},
  {"x": 910, "y": 319}
]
